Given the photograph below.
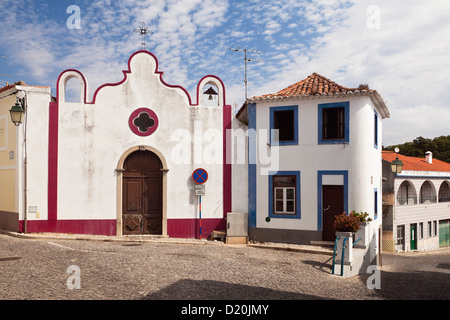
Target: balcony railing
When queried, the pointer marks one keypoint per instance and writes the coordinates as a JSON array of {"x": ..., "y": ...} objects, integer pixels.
[
  {"x": 428, "y": 199},
  {"x": 421, "y": 200},
  {"x": 406, "y": 201}
]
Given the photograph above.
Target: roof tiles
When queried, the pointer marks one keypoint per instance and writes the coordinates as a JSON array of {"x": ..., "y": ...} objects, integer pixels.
[
  {"x": 417, "y": 164},
  {"x": 315, "y": 84}
]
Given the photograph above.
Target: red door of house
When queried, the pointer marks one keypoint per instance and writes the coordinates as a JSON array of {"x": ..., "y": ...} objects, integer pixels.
[
  {"x": 142, "y": 194},
  {"x": 332, "y": 205}
]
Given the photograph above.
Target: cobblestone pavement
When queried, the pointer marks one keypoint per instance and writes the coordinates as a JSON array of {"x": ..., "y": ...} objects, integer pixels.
[{"x": 37, "y": 269}]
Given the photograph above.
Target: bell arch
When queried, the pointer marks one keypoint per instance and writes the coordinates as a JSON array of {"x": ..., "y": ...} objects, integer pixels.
[
  {"x": 207, "y": 83},
  {"x": 64, "y": 79}
]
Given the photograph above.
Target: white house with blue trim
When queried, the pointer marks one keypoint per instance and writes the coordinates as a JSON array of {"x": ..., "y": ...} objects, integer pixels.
[{"x": 314, "y": 152}]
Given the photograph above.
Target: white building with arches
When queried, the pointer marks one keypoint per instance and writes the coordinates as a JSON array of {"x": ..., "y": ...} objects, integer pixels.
[{"x": 416, "y": 204}]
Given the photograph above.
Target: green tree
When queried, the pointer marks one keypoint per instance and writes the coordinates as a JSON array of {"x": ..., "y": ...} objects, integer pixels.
[{"x": 439, "y": 146}]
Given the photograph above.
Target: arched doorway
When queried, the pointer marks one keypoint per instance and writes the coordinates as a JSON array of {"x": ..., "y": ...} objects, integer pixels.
[{"x": 142, "y": 194}]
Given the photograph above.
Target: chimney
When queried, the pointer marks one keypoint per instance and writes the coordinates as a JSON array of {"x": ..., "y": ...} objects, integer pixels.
[{"x": 429, "y": 157}]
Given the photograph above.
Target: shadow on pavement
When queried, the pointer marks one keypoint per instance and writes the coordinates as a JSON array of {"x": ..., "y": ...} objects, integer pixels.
[
  {"x": 188, "y": 289},
  {"x": 416, "y": 285},
  {"x": 321, "y": 266}
]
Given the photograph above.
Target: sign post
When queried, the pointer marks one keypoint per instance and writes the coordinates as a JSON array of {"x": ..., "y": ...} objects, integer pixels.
[{"x": 200, "y": 176}]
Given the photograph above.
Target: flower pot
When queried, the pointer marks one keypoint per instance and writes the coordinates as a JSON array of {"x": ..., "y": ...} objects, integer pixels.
[
  {"x": 363, "y": 234},
  {"x": 345, "y": 241}
]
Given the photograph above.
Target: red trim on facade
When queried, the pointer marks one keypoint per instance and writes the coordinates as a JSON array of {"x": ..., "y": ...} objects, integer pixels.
[
  {"x": 92, "y": 227},
  {"x": 189, "y": 228},
  {"x": 176, "y": 228},
  {"x": 227, "y": 173},
  {"x": 53, "y": 162}
]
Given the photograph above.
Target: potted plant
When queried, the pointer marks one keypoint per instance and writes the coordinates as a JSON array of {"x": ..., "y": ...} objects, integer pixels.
[
  {"x": 346, "y": 223},
  {"x": 362, "y": 216},
  {"x": 361, "y": 236}
]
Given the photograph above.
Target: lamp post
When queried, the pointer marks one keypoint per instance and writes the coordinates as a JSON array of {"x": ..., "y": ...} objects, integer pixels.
[{"x": 17, "y": 112}]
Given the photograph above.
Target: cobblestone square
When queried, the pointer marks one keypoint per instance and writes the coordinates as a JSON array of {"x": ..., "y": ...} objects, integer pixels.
[{"x": 37, "y": 269}]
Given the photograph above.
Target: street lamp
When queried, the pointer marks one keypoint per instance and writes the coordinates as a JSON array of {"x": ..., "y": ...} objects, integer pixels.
[
  {"x": 17, "y": 113},
  {"x": 397, "y": 165}
]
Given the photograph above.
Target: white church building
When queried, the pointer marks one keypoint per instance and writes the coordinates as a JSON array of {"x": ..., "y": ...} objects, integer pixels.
[{"x": 121, "y": 163}]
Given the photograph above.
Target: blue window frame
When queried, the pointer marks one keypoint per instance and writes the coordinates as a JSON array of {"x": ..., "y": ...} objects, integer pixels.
[
  {"x": 334, "y": 123},
  {"x": 375, "y": 129},
  {"x": 375, "y": 203},
  {"x": 284, "y": 195},
  {"x": 285, "y": 120}
]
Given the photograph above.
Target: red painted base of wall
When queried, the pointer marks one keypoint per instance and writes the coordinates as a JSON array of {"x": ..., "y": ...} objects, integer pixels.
[
  {"x": 190, "y": 228},
  {"x": 94, "y": 227},
  {"x": 176, "y": 228}
]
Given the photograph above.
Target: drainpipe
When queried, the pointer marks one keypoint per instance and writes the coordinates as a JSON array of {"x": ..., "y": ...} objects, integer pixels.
[{"x": 25, "y": 188}]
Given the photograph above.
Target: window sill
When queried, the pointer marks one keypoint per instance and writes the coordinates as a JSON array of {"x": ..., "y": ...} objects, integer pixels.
[
  {"x": 337, "y": 141},
  {"x": 284, "y": 143},
  {"x": 284, "y": 216}
]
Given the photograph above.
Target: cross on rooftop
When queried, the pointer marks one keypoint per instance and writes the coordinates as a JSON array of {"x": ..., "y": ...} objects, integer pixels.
[{"x": 143, "y": 32}]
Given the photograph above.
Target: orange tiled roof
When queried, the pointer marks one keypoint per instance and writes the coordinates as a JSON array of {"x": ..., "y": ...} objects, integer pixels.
[
  {"x": 315, "y": 84},
  {"x": 417, "y": 164}
]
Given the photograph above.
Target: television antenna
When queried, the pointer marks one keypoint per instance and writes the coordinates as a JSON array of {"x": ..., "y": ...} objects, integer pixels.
[
  {"x": 245, "y": 62},
  {"x": 3, "y": 82},
  {"x": 143, "y": 33}
]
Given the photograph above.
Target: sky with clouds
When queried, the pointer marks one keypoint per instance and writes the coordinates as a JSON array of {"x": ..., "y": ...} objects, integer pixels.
[{"x": 400, "y": 48}]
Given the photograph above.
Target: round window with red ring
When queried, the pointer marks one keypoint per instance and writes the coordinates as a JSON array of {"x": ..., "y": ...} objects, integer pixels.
[{"x": 143, "y": 122}]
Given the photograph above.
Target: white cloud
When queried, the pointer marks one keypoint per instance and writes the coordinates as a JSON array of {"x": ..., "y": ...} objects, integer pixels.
[{"x": 406, "y": 59}]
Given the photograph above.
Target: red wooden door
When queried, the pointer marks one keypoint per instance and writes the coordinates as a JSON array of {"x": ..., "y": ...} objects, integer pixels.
[
  {"x": 142, "y": 194},
  {"x": 332, "y": 205}
]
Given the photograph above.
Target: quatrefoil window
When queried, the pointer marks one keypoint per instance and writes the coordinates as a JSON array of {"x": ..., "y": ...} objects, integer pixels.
[{"x": 143, "y": 122}]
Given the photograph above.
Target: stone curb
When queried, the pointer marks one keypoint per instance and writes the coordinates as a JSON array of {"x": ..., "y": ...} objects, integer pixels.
[
  {"x": 292, "y": 248},
  {"x": 160, "y": 239}
]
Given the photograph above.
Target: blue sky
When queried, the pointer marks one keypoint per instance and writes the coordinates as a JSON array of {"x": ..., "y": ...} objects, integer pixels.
[{"x": 399, "y": 48}]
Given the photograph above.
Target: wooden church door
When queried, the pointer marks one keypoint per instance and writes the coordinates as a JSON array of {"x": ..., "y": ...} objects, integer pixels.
[{"x": 142, "y": 194}]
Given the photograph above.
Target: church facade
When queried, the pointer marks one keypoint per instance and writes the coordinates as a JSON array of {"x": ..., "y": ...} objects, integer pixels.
[{"x": 122, "y": 163}]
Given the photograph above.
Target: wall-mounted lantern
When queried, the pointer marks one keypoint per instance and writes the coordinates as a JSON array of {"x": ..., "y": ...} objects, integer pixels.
[{"x": 397, "y": 165}]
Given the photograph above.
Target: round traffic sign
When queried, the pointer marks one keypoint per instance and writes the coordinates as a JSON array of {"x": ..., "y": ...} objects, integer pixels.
[{"x": 200, "y": 176}]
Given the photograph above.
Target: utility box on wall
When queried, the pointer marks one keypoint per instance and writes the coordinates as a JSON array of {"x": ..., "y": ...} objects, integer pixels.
[{"x": 237, "y": 228}]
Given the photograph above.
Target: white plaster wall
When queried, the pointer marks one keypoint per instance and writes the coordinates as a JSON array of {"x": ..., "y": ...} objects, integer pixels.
[
  {"x": 240, "y": 167},
  {"x": 37, "y": 150},
  {"x": 92, "y": 139},
  {"x": 359, "y": 157}
]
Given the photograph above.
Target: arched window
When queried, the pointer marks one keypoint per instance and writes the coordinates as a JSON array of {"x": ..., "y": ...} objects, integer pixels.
[
  {"x": 427, "y": 193},
  {"x": 444, "y": 192},
  {"x": 406, "y": 194},
  {"x": 72, "y": 90},
  {"x": 72, "y": 87}
]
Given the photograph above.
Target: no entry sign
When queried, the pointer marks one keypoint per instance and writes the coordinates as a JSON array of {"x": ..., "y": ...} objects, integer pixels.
[{"x": 200, "y": 176}]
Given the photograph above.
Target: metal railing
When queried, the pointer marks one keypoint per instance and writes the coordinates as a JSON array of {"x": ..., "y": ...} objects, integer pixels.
[
  {"x": 406, "y": 201},
  {"x": 427, "y": 199},
  {"x": 342, "y": 256},
  {"x": 421, "y": 200}
]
